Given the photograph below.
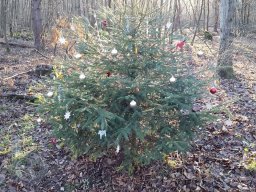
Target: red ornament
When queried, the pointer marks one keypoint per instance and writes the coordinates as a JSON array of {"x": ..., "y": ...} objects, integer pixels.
[
  {"x": 53, "y": 141},
  {"x": 104, "y": 23},
  {"x": 108, "y": 73},
  {"x": 213, "y": 90},
  {"x": 180, "y": 44}
]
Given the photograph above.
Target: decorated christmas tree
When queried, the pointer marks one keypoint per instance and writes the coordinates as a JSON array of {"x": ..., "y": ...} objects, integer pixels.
[{"x": 126, "y": 91}]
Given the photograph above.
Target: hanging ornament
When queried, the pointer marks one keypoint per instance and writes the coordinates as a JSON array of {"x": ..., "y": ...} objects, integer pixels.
[
  {"x": 180, "y": 44},
  {"x": 108, "y": 74},
  {"x": 200, "y": 53},
  {"x": 72, "y": 27},
  {"x": 137, "y": 90},
  {"x": 77, "y": 55},
  {"x": 53, "y": 141},
  {"x": 102, "y": 133},
  {"x": 104, "y": 23},
  {"x": 208, "y": 106},
  {"x": 168, "y": 25},
  {"x": 228, "y": 122},
  {"x": 114, "y": 51},
  {"x": 213, "y": 90},
  {"x": 217, "y": 82},
  {"x": 62, "y": 40},
  {"x": 172, "y": 79},
  {"x": 127, "y": 25},
  {"x": 39, "y": 120},
  {"x": 117, "y": 148},
  {"x": 135, "y": 50},
  {"x": 67, "y": 115},
  {"x": 50, "y": 94},
  {"x": 133, "y": 104},
  {"x": 82, "y": 76}
]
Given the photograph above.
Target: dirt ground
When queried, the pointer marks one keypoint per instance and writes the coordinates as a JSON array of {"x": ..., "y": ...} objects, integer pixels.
[{"x": 221, "y": 157}]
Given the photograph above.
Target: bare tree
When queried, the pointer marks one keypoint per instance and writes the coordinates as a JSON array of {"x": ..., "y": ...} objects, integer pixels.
[
  {"x": 4, "y": 23},
  {"x": 208, "y": 15},
  {"x": 37, "y": 23},
  {"x": 198, "y": 22},
  {"x": 216, "y": 15},
  {"x": 227, "y": 12}
]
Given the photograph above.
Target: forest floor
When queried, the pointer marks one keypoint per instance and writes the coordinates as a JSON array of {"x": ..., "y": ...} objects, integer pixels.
[{"x": 221, "y": 157}]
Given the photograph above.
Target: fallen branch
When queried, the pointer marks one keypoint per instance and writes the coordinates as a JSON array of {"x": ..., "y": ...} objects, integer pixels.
[
  {"x": 16, "y": 75},
  {"x": 40, "y": 70},
  {"x": 30, "y": 98},
  {"x": 17, "y": 44},
  {"x": 42, "y": 54}
]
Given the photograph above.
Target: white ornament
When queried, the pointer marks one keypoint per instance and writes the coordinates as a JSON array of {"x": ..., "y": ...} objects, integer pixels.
[
  {"x": 117, "y": 148},
  {"x": 50, "y": 94},
  {"x": 168, "y": 25},
  {"x": 102, "y": 133},
  {"x": 114, "y": 51},
  {"x": 200, "y": 53},
  {"x": 82, "y": 76},
  {"x": 62, "y": 40},
  {"x": 72, "y": 27},
  {"x": 77, "y": 55},
  {"x": 228, "y": 122},
  {"x": 133, "y": 104},
  {"x": 208, "y": 106},
  {"x": 172, "y": 79},
  {"x": 67, "y": 115},
  {"x": 39, "y": 120}
]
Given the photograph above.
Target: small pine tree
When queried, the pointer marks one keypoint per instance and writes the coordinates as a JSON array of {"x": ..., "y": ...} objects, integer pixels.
[{"x": 124, "y": 92}]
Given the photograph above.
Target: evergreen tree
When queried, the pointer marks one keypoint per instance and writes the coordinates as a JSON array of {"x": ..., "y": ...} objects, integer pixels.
[{"x": 124, "y": 92}]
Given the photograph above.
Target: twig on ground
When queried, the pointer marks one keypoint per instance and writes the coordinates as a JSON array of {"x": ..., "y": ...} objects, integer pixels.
[
  {"x": 17, "y": 44},
  {"x": 42, "y": 54},
  {"x": 19, "y": 96},
  {"x": 4, "y": 79},
  {"x": 40, "y": 70}
]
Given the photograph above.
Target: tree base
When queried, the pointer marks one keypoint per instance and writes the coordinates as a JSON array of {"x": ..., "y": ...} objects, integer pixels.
[{"x": 226, "y": 73}]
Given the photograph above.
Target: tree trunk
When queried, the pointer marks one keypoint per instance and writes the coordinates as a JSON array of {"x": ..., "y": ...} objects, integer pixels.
[
  {"x": 37, "y": 23},
  {"x": 198, "y": 23},
  {"x": 227, "y": 11},
  {"x": 4, "y": 23},
  {"x": 208, "y": 15},
  {"x": 174, "y": 20},
  {"x": 216, "y": 17}
]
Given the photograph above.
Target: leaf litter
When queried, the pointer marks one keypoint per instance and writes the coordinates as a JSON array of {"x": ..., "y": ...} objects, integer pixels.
[{"x": 216, "y": 162}]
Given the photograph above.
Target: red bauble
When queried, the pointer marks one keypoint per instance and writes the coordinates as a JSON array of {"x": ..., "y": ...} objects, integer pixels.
[
  {"x": 180, "y": 44},
  {"x": 108, "y": 73},
  {"x": 53, "y": 141},
  {"x": 104, "y": 23},
  {"x": 213, "y": 90}
]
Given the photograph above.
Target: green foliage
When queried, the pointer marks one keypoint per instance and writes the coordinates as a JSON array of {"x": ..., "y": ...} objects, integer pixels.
[
  {"x": 249, "y": 159},
  {"x": 98, "y": 87},
  {"x": 25, "y": 35},
  {"x": 208, "y": 35}
]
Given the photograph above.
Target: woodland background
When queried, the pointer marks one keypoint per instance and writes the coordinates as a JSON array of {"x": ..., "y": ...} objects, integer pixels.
[{"x": 183, "y": 13}]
